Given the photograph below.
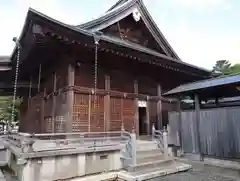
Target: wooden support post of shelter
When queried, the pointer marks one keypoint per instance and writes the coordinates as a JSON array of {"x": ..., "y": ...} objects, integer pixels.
[
  {"x": 179, "y": 124},
  {"x": 197, "y": 111}
]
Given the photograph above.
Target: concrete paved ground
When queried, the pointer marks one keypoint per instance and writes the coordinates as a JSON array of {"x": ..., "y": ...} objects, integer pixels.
[{"x": 203, "y": 173}]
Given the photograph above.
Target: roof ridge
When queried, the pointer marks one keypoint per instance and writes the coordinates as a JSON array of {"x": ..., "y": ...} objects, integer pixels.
[
  {"x": 119, "y": 2},
  {"x": 108, "y": 13}
]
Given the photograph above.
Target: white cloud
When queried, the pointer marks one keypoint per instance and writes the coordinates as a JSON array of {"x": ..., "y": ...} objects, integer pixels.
[
  {"x": 13, "y": 24},
  {"x": 194, "y": 45},
  {"x": 201, "y": 4}
]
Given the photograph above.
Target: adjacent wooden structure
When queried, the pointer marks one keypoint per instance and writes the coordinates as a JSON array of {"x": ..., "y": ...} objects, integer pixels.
[
  {"x": 82, "y": 86},
  {"x": 209, "y": 129}
]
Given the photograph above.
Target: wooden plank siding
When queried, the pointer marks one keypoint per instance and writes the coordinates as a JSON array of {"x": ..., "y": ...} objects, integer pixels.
[
  {"x": 219, "y": 131},
  {"x": 85, "y": 114},
  {"x": 118, "y": 93},
  {"x": 121, "y": 109}
]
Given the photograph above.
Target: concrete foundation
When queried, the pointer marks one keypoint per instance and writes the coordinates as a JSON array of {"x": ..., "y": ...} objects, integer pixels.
[{"x": 67, "y": 166}]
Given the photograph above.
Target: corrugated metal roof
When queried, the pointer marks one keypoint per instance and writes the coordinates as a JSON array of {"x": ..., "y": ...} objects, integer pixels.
[{"x": 214, "y": 82}]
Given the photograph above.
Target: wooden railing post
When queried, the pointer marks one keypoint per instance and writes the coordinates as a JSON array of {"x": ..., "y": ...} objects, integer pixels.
[
  {"x": 165, "y": 142},
  {"x": 153, "y": 131},
  {"x": 134, "y": 147},
  {"x": 122, "y": 129}
]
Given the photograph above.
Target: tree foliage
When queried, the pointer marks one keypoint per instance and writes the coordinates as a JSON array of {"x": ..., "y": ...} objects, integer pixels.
[
  {"x": 225, "y": 67},
  {"x": 6, "y": 109}
]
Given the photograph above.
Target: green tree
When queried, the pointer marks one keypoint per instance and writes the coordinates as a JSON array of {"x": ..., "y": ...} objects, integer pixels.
[
  {"x": 222, "y": 66},
  {"x": 6, "y": 109},
  {"x": 225, "y": 67},
  {"x": 234, "y": 69}
]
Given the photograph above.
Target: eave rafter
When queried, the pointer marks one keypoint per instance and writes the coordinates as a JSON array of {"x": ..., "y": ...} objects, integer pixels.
[{"x": 106, "y": 47}]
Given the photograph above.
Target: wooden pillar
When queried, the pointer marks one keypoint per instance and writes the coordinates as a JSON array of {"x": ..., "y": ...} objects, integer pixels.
[
  {"x": 148, "y": 115},
  {"x": 43, "y": 125},
  {"x": 29, "y": 92},
  {"x": 197, "y": 110},
  {"x": 136, "y": 116},
  {"x": 159, "y": 107},
  {"x": 39, "y": 77},
  {"x": 70, "y": 98},
  {"x": 54, "y": 101},
  {"x": 89, "y": 112},
  {"x": 107, "y": 104},
  {"x": 180, "y": 125}
]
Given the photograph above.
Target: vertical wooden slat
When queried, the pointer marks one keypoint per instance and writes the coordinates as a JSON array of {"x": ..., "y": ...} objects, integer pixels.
[
  {"x": 89, "y": 112},
  {"x": 42, "y": 111},
  {"x": 136, "y": 115},
  {"x": 30, "y": 92},
  {"x": 121, "y": 114},
  {"x": 54, "y": 101},
  {"x": 39, "y": 77},
  {"x": 159, "y": 107},
  {"x": 179, "y": 123},
  {"x": 70, "y": 98},
  {"x": 148, "y": 115},
  {"x": 107, "y": 104},
  {"x": 197, "y": 109}
]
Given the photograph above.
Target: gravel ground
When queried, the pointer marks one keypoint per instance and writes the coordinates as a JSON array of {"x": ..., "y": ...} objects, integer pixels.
[{"x": 203, "y": 173}]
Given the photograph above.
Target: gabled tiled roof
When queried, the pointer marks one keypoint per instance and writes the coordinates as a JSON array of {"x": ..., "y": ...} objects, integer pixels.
[{"x": 122, "y": 9}]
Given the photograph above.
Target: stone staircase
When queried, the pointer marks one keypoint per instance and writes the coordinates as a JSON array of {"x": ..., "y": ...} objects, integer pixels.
[
  {"x": 148, "y": 155},
  {"x": 151, "y": 163}
]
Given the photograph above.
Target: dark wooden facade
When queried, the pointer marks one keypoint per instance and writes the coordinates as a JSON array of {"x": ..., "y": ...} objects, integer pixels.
[{"x": 60, "y": 62}]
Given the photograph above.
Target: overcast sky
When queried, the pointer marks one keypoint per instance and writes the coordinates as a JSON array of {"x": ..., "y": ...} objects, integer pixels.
[{"x": 200, "y": 31}]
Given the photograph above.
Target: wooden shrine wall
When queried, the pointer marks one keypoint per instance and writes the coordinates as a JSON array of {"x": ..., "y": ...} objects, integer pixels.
[
  {"x": 88, "y": 115},
  {"x": 84, "y": 77},
  {"x": 153, "y": 115},
  {"x": 47, "y": 110},
  {"x": 30, "y": 114},
  {"x": 122, "y": 110},
  {"x": 55, "y": 102}
]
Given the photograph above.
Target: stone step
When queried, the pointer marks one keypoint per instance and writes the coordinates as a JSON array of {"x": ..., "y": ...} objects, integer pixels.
[
  {"x": 150, "y": 158},
  {"x": 148, "y": 165},
  {"x": 149, "y": 152},
  {"x": 154, "y": 172},
  {"x": 146, "y": 146}
]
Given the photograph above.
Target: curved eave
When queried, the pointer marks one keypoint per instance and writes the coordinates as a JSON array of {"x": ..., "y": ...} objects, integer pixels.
[
  {"x": 109, "y": 16},
  {"x": 118, "y": 3},
  {"x": 118, "y": 13},
  {"x": 87, "y": 36}
]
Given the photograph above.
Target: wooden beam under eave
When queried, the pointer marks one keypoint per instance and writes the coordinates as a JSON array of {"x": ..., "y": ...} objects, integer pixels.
[{"x": 70, "y": 98}]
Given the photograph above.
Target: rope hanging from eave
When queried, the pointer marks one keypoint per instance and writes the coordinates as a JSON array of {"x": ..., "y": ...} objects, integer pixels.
[
  {"x": 15, "y": 80},
  {"x": 96, "y": 42}
]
